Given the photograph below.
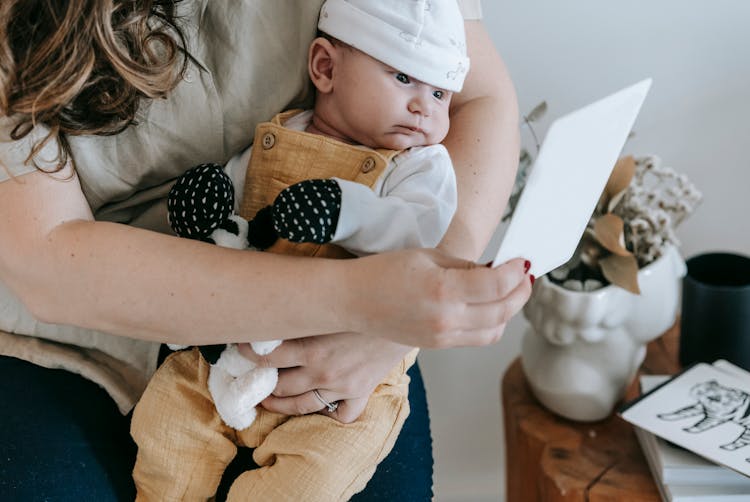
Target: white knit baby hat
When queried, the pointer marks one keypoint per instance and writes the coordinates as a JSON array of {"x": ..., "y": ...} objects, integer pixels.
[{"x": 423, "y": 38}]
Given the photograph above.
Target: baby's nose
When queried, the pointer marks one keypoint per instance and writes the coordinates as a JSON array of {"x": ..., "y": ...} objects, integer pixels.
[{"x": 420, "y": 103}]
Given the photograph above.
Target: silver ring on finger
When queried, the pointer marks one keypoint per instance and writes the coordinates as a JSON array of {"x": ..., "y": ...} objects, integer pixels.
[{"x": 330, "y": 406}]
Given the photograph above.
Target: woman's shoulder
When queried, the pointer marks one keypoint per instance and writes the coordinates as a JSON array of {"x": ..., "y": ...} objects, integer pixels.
[{"x": 16, "y": 154}]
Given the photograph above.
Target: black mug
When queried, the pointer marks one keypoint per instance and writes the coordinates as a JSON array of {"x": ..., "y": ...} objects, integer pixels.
[{"x": 715, "y": 320}]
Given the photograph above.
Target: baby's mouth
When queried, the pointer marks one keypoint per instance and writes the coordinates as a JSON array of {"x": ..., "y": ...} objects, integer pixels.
[{"x": 412, "y": 129}]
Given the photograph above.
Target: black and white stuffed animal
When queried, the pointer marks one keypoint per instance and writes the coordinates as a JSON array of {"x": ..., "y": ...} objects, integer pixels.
[{"x": 201, "y": 206}]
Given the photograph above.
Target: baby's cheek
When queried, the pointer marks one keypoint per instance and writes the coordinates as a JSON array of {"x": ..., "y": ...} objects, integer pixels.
[{"x": 440, "y": 132}]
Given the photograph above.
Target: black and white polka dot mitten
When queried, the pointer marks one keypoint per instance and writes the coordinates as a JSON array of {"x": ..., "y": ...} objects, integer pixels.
[
  {"x": 200, "y": 201},
  {"x": 201, "y": 206},
  {"x": 308, "y": 211}
]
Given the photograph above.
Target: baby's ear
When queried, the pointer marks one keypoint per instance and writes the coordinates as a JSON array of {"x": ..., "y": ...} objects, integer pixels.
[{"x": 320, "y": 62}]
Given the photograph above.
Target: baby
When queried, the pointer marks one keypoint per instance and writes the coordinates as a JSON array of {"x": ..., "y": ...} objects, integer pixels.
[{"x": 362, "y": 172}]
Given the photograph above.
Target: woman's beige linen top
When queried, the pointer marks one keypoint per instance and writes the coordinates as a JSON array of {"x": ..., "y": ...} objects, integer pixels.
[{"x": 249, "y": 62}]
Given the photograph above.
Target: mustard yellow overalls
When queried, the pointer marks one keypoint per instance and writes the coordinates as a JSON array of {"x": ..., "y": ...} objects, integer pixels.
[{"x": 301, "y": 458}]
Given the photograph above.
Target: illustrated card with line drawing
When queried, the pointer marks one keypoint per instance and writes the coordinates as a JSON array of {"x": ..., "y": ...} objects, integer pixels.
[{"x": 705, "y": 409}]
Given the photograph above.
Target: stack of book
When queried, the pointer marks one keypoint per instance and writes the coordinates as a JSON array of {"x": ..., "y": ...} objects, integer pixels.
[
  {"x": 684, "y": 425},
  {"x": 683, "y": 476}
]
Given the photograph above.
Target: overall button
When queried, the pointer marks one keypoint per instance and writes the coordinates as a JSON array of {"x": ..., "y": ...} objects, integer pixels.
[
  {"x": 368, "y": 165},
  {"x": 268, "y": 141}
]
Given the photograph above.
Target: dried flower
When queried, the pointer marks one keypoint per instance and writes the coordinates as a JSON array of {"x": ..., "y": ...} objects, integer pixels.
[{"x": 634, "y": 221}]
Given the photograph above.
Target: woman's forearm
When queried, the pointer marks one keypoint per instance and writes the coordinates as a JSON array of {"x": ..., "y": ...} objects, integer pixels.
[
  {"x": 483, "y": 143},
  {"x": 146, "y": 285},
  {"x": 142, "y": 284},
  {"x": 68, "y": 269}
]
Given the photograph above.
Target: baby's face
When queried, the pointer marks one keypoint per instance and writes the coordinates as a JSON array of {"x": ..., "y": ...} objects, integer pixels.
[{"x": 380, "y": 107}]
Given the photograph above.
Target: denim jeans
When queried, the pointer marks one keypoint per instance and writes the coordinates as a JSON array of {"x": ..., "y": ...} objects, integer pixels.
[{"x": 62, "y": 438}]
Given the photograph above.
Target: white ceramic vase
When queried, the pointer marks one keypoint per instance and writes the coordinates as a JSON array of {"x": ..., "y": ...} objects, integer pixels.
[{"x": 582, "y": 349}]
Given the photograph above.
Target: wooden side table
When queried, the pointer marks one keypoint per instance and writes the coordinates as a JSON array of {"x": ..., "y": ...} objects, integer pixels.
[{"x": 550, "y": 458}]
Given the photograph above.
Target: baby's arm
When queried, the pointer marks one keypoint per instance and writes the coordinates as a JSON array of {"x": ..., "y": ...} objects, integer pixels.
[
  {"x": 411, "y": 208},
  {"x": 414, "y": 206}
]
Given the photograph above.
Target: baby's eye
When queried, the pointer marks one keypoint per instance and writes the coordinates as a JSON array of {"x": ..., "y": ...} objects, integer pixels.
[
  {"x": 403, "y": 78},
  {"x": 437, "y": 93}
]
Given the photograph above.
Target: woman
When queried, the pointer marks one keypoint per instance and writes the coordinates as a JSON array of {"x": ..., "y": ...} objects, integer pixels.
[{"x": 115, "y": 99}]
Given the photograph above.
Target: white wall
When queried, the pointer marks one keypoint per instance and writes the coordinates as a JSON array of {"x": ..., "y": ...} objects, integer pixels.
[{"x": 696, "y": 118}]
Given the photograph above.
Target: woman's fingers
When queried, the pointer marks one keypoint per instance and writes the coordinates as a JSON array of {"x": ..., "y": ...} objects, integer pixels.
[
  {"x": 484, "y": 324},
  {"x": 347, "y": 410},
  {"x": 295, "y": 381},
  {"x": 480, "y": 285},
  {"x": 496, "y": 313},
  {"x": 296, "y": 405},
  {"x": 349, "y": 364},
  {"x": 343, "y": 367},
  {"x": 289, "y": 354}
]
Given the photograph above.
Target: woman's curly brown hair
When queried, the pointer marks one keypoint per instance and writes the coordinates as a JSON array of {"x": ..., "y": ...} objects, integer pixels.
[{"x": 83, "y": 66}]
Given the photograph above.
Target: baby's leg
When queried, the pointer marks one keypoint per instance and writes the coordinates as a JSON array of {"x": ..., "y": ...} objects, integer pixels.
[
  {"x": 183, "y": 446},
  {"x": 316, "y": 458}
]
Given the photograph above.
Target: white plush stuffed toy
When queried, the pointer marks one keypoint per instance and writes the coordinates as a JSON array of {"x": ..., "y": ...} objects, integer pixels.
[{"x": 201, "y": 206}]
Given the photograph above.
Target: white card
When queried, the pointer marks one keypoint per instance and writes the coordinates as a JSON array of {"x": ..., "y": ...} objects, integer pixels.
[
  {"x": 568, "y": 176},
  {"x": 705, "y": 409}
]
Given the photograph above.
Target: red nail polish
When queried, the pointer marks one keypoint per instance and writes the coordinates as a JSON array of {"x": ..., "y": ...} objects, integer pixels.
[
  {"x": 532, "y": 279},
  {"x": 526, "y": 266}
]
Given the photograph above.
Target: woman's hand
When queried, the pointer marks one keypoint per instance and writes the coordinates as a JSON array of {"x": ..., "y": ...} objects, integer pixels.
[
  {"x": 342, "y": 367},
  {"x": 428, "y": 299}
]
